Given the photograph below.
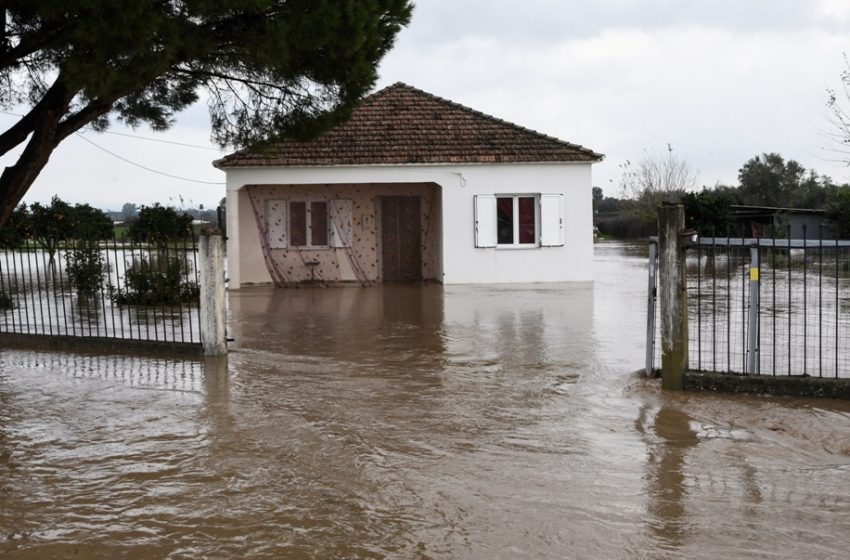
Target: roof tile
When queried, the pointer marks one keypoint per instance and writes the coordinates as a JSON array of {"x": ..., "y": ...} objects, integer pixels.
[{"x": 404, "y": 125}]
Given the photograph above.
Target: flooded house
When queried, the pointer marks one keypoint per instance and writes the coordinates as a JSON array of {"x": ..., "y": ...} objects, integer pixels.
[{"x": 412, "y": 187}]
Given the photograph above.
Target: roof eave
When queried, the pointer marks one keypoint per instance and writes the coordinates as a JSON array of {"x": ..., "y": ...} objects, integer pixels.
[{"x": 224, "y": 166}]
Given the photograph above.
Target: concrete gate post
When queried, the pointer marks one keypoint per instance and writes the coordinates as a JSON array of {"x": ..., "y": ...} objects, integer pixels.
[
  {"x": 212, "y": 306},
  {"x": 672, "y": 296}
]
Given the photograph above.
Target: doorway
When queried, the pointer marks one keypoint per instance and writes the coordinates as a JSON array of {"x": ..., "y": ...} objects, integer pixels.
[{"x": 401, "y": 249}]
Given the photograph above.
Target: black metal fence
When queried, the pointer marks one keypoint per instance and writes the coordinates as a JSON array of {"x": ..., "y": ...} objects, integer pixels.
[
  {"x": 114, "y": 289},
  {"x": 766, "y": 306}
]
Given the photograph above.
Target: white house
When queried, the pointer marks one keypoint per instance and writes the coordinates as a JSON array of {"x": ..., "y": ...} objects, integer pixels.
[{"x": 411, "y": 187}]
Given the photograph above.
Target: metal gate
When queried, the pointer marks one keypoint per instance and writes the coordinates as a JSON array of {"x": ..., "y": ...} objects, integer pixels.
[{"x": 762, "y": 306}]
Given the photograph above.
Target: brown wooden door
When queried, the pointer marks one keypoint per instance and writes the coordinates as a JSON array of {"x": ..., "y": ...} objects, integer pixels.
[{"x": 401, "y": 250}]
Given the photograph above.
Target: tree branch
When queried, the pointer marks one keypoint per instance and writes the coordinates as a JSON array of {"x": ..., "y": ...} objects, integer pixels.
[
  {"x": 84, "y": 116},
  {"x": 229, "y": 78},
  {"x": 27, "y": 44},
  {"x": 15, "y": 180},
  {"x": 18, "y": 132}
]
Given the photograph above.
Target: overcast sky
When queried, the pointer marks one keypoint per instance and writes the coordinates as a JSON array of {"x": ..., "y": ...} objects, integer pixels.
[{"x": 719, "y": 80}]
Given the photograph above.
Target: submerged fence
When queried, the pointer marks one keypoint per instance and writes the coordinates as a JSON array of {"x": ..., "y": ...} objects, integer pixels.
[
  {"x": 115, "y": 289},
  {"x": 763, "y": 306}
]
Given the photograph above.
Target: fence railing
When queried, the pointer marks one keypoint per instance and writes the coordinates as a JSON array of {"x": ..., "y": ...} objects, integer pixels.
[
  {"x": 764, "y": 306},
  {"x": 112, "y": 289}
]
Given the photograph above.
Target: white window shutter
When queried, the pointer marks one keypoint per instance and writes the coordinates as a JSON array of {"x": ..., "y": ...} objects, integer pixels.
[
  {"x": 551, "y": 220},
  {"x": 485, "y": 220},
  {"x": 276, "y": 226},
  {"x": 341, "y": 213}
]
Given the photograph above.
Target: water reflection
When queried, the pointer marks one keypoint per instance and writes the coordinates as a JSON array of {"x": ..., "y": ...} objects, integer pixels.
[
  {"x": 669, "y": 439},
  {"x": 175, "y": 374}
]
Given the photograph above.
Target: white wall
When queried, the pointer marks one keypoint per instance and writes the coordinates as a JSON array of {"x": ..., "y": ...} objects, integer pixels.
[{"x": 463, "y": 263}]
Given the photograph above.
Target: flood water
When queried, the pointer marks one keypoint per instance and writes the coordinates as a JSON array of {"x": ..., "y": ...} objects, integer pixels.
[{"x": 415, "y": 422}]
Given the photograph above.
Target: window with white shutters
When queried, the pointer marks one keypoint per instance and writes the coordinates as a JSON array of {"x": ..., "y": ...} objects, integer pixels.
[
  {"x": 551, "y": 220},
  {"x": 519, "y": 220},
  {"x": 485, "y": 220}
]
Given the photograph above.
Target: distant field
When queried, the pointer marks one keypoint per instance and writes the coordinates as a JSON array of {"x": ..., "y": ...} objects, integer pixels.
[{"x": 121, "y": 232}]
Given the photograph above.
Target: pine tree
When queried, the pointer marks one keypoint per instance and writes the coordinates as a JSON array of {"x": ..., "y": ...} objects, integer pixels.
[{"x": 270, "y": 67}]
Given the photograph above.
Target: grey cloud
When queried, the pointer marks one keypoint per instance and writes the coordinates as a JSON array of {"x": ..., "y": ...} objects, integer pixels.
[{"x": 436, "y": 21}]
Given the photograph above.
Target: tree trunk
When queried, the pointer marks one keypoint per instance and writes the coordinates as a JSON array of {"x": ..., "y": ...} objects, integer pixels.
[{"x": 18, "y": 178}]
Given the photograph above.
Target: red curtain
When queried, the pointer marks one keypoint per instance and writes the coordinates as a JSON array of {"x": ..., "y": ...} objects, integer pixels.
[{"x": 526, "y": 220}]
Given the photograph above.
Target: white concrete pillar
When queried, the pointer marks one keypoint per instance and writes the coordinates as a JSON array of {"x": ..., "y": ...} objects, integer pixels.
[
  {"x": 213, "y": 304},
  {"x": 672, "y": 297}
]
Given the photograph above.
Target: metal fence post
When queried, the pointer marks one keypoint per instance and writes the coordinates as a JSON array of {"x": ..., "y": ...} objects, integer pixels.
[
  {"x": 753, "y": 325},
  {"x": 212, "y": 305},
  {"x": 673, "y": 298},
  {"x": 650, "y": 309}
]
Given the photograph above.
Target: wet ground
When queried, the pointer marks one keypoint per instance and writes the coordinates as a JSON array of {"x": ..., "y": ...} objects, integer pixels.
[{"x": 414, "y": 422}]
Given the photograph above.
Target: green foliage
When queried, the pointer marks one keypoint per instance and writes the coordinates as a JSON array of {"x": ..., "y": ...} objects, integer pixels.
[
  {"x": 90, "y": 224},
  {"x": 839, "y": 211},
  {"x": 624, "y": 225},
  {"x": 598, "y": 195},
  {"x": 51, "y": 224},
  {"x": 17, "y": 229},
  {"x": 709, "y": 211},
  {"x": 85, "y": 266},
  {"x": 770, "y": 180},
  {"x": 6, "y": 301},
  {"x": 156, "y": 282},
  {"x": 59, "y": 221},
  {"x": 159, "y": 224},
  {"x": 270, "y": 68},
  {"x": 609, "y": 204}
]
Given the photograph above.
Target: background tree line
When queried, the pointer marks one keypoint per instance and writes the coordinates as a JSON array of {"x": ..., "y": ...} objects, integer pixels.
[
  {"x": 46, "y": 226},
  {"x": 767, "y": 180},
  {"x": 130, "y": 211},
  {"x": 81, "y": 234}
]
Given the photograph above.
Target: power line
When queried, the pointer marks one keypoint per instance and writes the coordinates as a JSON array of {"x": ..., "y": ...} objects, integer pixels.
[
  {"x": 140, "y": 166},
  {"x": 135, "y": 136},
  {"x": 149, "y": 139}
]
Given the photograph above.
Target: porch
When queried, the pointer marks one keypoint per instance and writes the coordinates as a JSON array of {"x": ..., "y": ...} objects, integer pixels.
[{"x": 331, "y": 234}]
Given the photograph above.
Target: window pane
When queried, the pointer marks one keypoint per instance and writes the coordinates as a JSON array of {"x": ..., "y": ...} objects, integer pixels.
[
  {"x": 505, "y": 221},
  {"x": 318, "y": 223},
  {"x": 298, "y": 224},
  {"x": 527, "y": 222}
]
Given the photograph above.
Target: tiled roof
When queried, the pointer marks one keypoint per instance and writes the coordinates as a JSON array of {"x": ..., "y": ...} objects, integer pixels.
[{"x": 404, "y": 125}]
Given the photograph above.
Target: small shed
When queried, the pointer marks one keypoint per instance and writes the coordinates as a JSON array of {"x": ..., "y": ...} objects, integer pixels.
[
  {"x": 412, "y": 187},
  {"x": 793, "y": 223}
]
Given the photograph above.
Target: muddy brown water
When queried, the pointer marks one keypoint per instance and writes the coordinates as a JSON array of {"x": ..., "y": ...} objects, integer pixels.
[{"x": 414, "y": 422}]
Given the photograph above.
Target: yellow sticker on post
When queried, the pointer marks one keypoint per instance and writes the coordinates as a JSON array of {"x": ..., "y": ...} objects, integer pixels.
[{"x": 754, "y": 274}]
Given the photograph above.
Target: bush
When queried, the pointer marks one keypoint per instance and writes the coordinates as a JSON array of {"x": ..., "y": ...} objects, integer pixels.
[
  {"x": 156, "y": 283},
  {"x": 159, "y": 225},
  {"x": 6, "y": 302},
  {"x": 85, "y": 267},
  {"x": 624, "y": 226},
  {"x": 17, "y": 228}
]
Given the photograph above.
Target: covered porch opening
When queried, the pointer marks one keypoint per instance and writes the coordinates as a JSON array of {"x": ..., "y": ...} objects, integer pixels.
[{"x": 330, "y": 234}]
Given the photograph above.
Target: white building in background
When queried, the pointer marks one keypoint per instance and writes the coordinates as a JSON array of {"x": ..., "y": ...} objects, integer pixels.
[{"x": 411, "y": 187}]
